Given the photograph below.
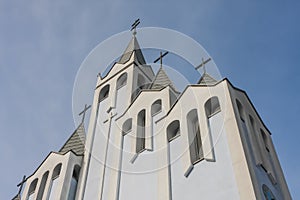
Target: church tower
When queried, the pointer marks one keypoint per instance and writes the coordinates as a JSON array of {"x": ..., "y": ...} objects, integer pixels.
[{"x": 146, "y": 140}]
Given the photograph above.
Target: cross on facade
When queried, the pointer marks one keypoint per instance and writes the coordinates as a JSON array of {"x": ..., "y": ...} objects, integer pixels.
[
  {"x": 160, "y": 57},
  {"x": 203, "y": 64},
  {"x": 21, "y": 184},
  {"x": 83, "y": 112},
  {"x": 134, "y": 25}
]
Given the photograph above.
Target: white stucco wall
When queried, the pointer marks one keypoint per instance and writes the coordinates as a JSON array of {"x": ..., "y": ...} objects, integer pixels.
[{"x": 68, "y": 161}]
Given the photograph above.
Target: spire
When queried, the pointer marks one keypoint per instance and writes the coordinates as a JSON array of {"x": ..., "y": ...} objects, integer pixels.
[
  {"x": 76, "y": 141},
  {"x": 206, "y": 79},
  {"x": 132, "y": 47},
  {"x": 161, "y": 80}
]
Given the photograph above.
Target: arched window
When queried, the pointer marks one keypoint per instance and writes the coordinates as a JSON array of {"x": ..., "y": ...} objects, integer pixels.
[
  {"x": 42, "y": 185},
  {"x": 265, "y": 140},
  {"x": 32, "y": 188},
  {"x": 122, "y": 80},
  {"x": 140, "y": 140},
  {"x": 268, "y": 165},
  {"x": 54, "y": 182},
  {"x": 255, "y": 148},
  {"x": 127, "y": 126},
  {"x": 141, "y": 83},
  {"x": 241, "y": 110},
  {"x": 74, "y": 182},
  {"x": 196, "y": 151},
  {"x": 212, "y": 107},
  {"x": 156, "y": 107},
  {"x": 173, "y": 130},
  {"x": 104, "y": 93},
  {"x": 268, "y": 193},
  {"x": 242, "y": 117}
]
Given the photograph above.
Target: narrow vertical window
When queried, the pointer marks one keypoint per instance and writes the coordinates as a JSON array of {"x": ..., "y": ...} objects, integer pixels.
[
  {"x": 104, "y": 93},
  {"x": 212, "y": 107},
  {"x": 267, "y": 193},
  {"x": 255, "y": 142},
  {"x": 156, "y": 107},
  {"x": 140, "y": 140},
  {"x": 121, "y": 93},
  {"x": 32, "y": 188},
  {"x": 173, "y": 130},
  {"x": 54, "y": 182},
  {"x": 240, "y": 110},
  {"x": 265, "y": 140},
  {"x": 122, "y": 80},
  {"x": 74, "y": 183},
  {"x": 196, "y": 151},
  {"x": 42, "y": 185},
  {"x": 242, "y": 117},
  {"x": 127, "y": 126},
  {"x": 140, "y": 85}
]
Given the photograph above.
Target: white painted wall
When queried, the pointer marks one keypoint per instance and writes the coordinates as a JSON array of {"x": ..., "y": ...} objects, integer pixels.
[{"x": 68, "y": 161}]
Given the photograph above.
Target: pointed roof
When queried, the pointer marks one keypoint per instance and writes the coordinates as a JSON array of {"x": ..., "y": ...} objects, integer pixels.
[
  {"x": 161, "y": 80},
  {"x": 133, "y": 46},
  {"x": 75, "y": 142},
  {"x": 206, "y": 79}
]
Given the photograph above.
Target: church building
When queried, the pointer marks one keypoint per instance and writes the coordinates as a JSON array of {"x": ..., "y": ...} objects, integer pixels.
[{"x": 146, "y": 140}]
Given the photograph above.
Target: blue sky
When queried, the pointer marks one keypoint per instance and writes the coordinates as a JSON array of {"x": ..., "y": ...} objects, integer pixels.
[{"x": 42, "y": 44}]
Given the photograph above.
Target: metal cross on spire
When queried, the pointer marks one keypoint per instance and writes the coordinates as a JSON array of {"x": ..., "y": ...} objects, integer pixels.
[
  {"x": 203, "y": 64},
  {"x": 160, "y": 58},
  {"x": 86, "y": 107},
  {"x": 134, "y": 25}
]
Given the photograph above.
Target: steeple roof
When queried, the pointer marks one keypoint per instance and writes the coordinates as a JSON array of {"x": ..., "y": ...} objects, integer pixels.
[
  {"x": 161, "y": 80},
  {"x": 206, "y": 79},
  {"x": 133, "y": 46},
  {"x": 76, "y": 141}
]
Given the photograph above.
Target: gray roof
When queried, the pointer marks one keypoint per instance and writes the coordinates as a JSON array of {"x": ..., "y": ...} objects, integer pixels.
[
  {"x": 133, "y": 46},
  {"x": 75, "y": 142},
  {"x": 161, "y": 80},
  {"x": 206, "y": 79}
]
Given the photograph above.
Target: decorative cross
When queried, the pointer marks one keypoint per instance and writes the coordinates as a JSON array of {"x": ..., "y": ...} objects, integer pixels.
[
  {"x": 21, "y": 184},
  {"x": 160, "y": 57},
  {"x": 83, "y": 112},
  {"x": 134, "y": 25},
  {"x": 203, "y": 64}
]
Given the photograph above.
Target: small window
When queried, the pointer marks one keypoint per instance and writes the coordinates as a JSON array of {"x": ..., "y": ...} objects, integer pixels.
[
  {"x": 265, "y": 140},
  {"x": 173, "y": 130},
  {"x": 54, "y": 182},
  {"x": 268, "y": 193},
  {"x": 42, "y": 185},
  {"x": 104, "y": 93},
  {"x": 127, "y": 126},
  {"x": 212, "y": 107},
  {"x": 32, "y": 188},
  {"x": 56, "y": 171},
  {"x": 156, "y": 107},
  {"x": 140, "y": 140},
  {"x": 122, "y": 80},
  {"x": 141, "y": 83},
  {"x": 241, "y": 110},
  {"x": 196, "y": 151},
  {"x": 74, "y": 183}
]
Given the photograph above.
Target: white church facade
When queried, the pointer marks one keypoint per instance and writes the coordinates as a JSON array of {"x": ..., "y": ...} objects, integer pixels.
[{"x": 145, "y": 140}]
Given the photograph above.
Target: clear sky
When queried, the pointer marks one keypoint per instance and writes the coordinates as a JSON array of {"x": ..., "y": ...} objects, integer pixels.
[{"x": 42, "y": 44}]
